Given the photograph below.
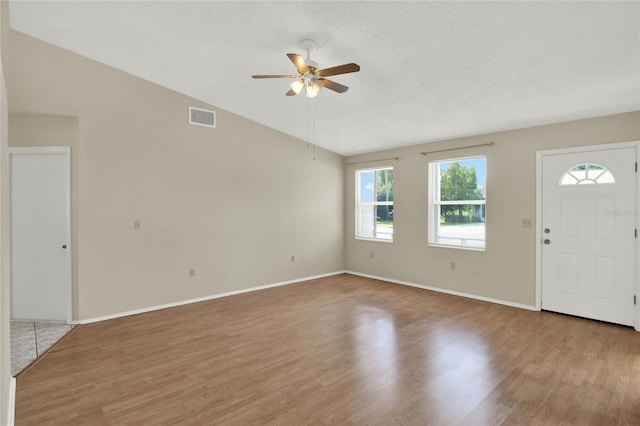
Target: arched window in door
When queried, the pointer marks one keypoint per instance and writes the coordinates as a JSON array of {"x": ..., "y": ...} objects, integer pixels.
[{"x": 587, "y": 174}]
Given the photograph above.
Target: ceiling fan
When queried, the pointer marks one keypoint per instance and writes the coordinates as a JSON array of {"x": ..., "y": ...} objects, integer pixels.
[{"x": 309, "y": 77}]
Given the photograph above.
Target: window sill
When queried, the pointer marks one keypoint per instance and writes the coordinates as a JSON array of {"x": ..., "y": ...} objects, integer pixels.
[
  {"x": 450, "y": 246},
  {"x": 375, "y": 240}
]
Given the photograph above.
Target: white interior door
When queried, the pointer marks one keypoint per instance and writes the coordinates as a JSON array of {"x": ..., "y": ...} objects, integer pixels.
[
  {"x": 588, "y": 234},
  {"x": 40, "y": 250}
]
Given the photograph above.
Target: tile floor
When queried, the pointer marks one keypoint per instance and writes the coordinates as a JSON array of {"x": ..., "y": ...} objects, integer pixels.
[{"x": 29, "y": 340}]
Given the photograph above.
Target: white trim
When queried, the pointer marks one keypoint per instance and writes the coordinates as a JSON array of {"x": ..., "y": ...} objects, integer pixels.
[
  {"x": 204, "y": 298},
  {"x": 12, "y": 403},
  {"x": 374, "y": 240},
  {"x": 589, "y": 148},
  {"x": 458, "y": 247},
  {"x": 451, "y": 292},
  {"x": 66, "y": 151},
  {"x": 462, "y": 203},
  {"x": 538, "y": 274},
  {"x": 374, "y": 204},
  {"x": 433, "y": 191},
  {"x": 366, "y": 169},
  {"x": 39, "y": 150},
  {"x": 538, "y": 240}
]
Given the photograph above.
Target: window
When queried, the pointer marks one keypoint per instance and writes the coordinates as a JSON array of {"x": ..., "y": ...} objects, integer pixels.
[
  {"x": 457, "y": 203},
  {"x": 587, "y": 174},
  {"x": 374, "y": 204}
]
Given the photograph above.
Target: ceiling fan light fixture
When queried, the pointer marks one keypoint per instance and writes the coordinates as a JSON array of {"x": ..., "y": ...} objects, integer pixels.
[
  {"x": 313, "y": 88},
  {"x": 297, "y": 86}
]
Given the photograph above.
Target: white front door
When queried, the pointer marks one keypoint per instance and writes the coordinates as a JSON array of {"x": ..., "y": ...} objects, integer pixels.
[
  {"x": 40, "y": 250},
  {"x": 588, "y": 234}
]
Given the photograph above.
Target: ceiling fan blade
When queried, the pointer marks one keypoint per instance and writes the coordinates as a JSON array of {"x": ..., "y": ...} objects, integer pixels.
[
  {"x": 332, "y": 85},
  {"x": 291, "y": 93},
  {"x": 340, "y": 69},
  {"x": 275, "y": 76},
  {"x": 299, "y": 62}
]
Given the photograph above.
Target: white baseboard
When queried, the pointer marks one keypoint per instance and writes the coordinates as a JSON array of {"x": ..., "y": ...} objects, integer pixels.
[
  {"x": 298, "y": 280},
  {"x": 202, "y": 299},
  {"x": 12, "y": 403},
  {"x": 452, "y": 292}
]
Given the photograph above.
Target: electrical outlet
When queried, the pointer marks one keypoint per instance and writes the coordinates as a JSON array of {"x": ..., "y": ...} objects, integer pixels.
[
  {"x": 526, "y": 223},
  {"x": 452, "y": 266},
  {"x": 192, "y": 272},
  {"x": 137, "y": 224}
]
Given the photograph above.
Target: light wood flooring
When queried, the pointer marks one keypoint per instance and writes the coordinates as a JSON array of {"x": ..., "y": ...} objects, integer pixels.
[{"x": 342, "y": 350}]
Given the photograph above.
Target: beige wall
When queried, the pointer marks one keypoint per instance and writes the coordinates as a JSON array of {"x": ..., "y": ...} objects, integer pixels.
[
  {"x": 506, "y": 270},
  {"x": 233, "y": 202},
  {"x": 5, "y": 355}
]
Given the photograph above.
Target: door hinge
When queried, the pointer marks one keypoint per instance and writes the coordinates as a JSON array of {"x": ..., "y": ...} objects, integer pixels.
[
  {"x": 636, "y": 233},
  {"x": 635, "y": 302},
  {"x": 636, "y": 166}
]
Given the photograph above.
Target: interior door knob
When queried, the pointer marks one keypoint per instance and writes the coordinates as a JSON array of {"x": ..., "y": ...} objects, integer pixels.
[
  {"x": 547, "y": 230},
  {"x": 547, "y": 241},
  {"x": 64, "y": 246}
]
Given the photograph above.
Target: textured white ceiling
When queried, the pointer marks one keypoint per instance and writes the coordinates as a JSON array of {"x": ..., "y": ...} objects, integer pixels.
[{"x": 430, "y": 70}]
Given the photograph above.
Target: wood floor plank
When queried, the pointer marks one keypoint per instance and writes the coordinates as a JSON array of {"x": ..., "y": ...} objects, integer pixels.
[{"x": 342, "y": 350}]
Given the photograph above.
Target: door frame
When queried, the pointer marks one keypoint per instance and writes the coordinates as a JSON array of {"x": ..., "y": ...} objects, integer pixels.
[
  {"x": 66, "y": 151},
  {"x": 539, "y": 237}
]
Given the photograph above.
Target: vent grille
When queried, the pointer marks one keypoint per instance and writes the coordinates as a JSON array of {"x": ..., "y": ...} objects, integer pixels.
[{"x": 202, "y": 117}]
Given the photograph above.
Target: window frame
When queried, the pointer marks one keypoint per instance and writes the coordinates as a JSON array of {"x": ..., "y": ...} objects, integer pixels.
[
  {"x": 434, "y": 188},
  {"x": 374, "y": 203}
]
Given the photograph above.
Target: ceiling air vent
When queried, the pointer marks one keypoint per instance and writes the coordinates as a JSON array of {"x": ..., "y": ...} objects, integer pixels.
[{"x": 202, "y": 117}]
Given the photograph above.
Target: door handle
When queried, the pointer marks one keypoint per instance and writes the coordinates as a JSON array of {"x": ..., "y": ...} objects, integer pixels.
[
  {"x": 64, "y": 246},
  {"x": 547, "y": 241}
]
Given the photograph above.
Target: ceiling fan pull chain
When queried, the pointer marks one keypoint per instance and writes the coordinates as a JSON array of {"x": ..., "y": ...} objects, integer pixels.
[{"x": 308, "y": 122}]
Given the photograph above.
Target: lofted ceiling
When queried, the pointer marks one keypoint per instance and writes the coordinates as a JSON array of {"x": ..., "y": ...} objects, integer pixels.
[{"x": 430, "y": 70}]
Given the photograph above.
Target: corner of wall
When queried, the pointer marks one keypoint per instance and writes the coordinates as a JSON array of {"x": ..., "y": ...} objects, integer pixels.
[{"x": 7, "y": 384}]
